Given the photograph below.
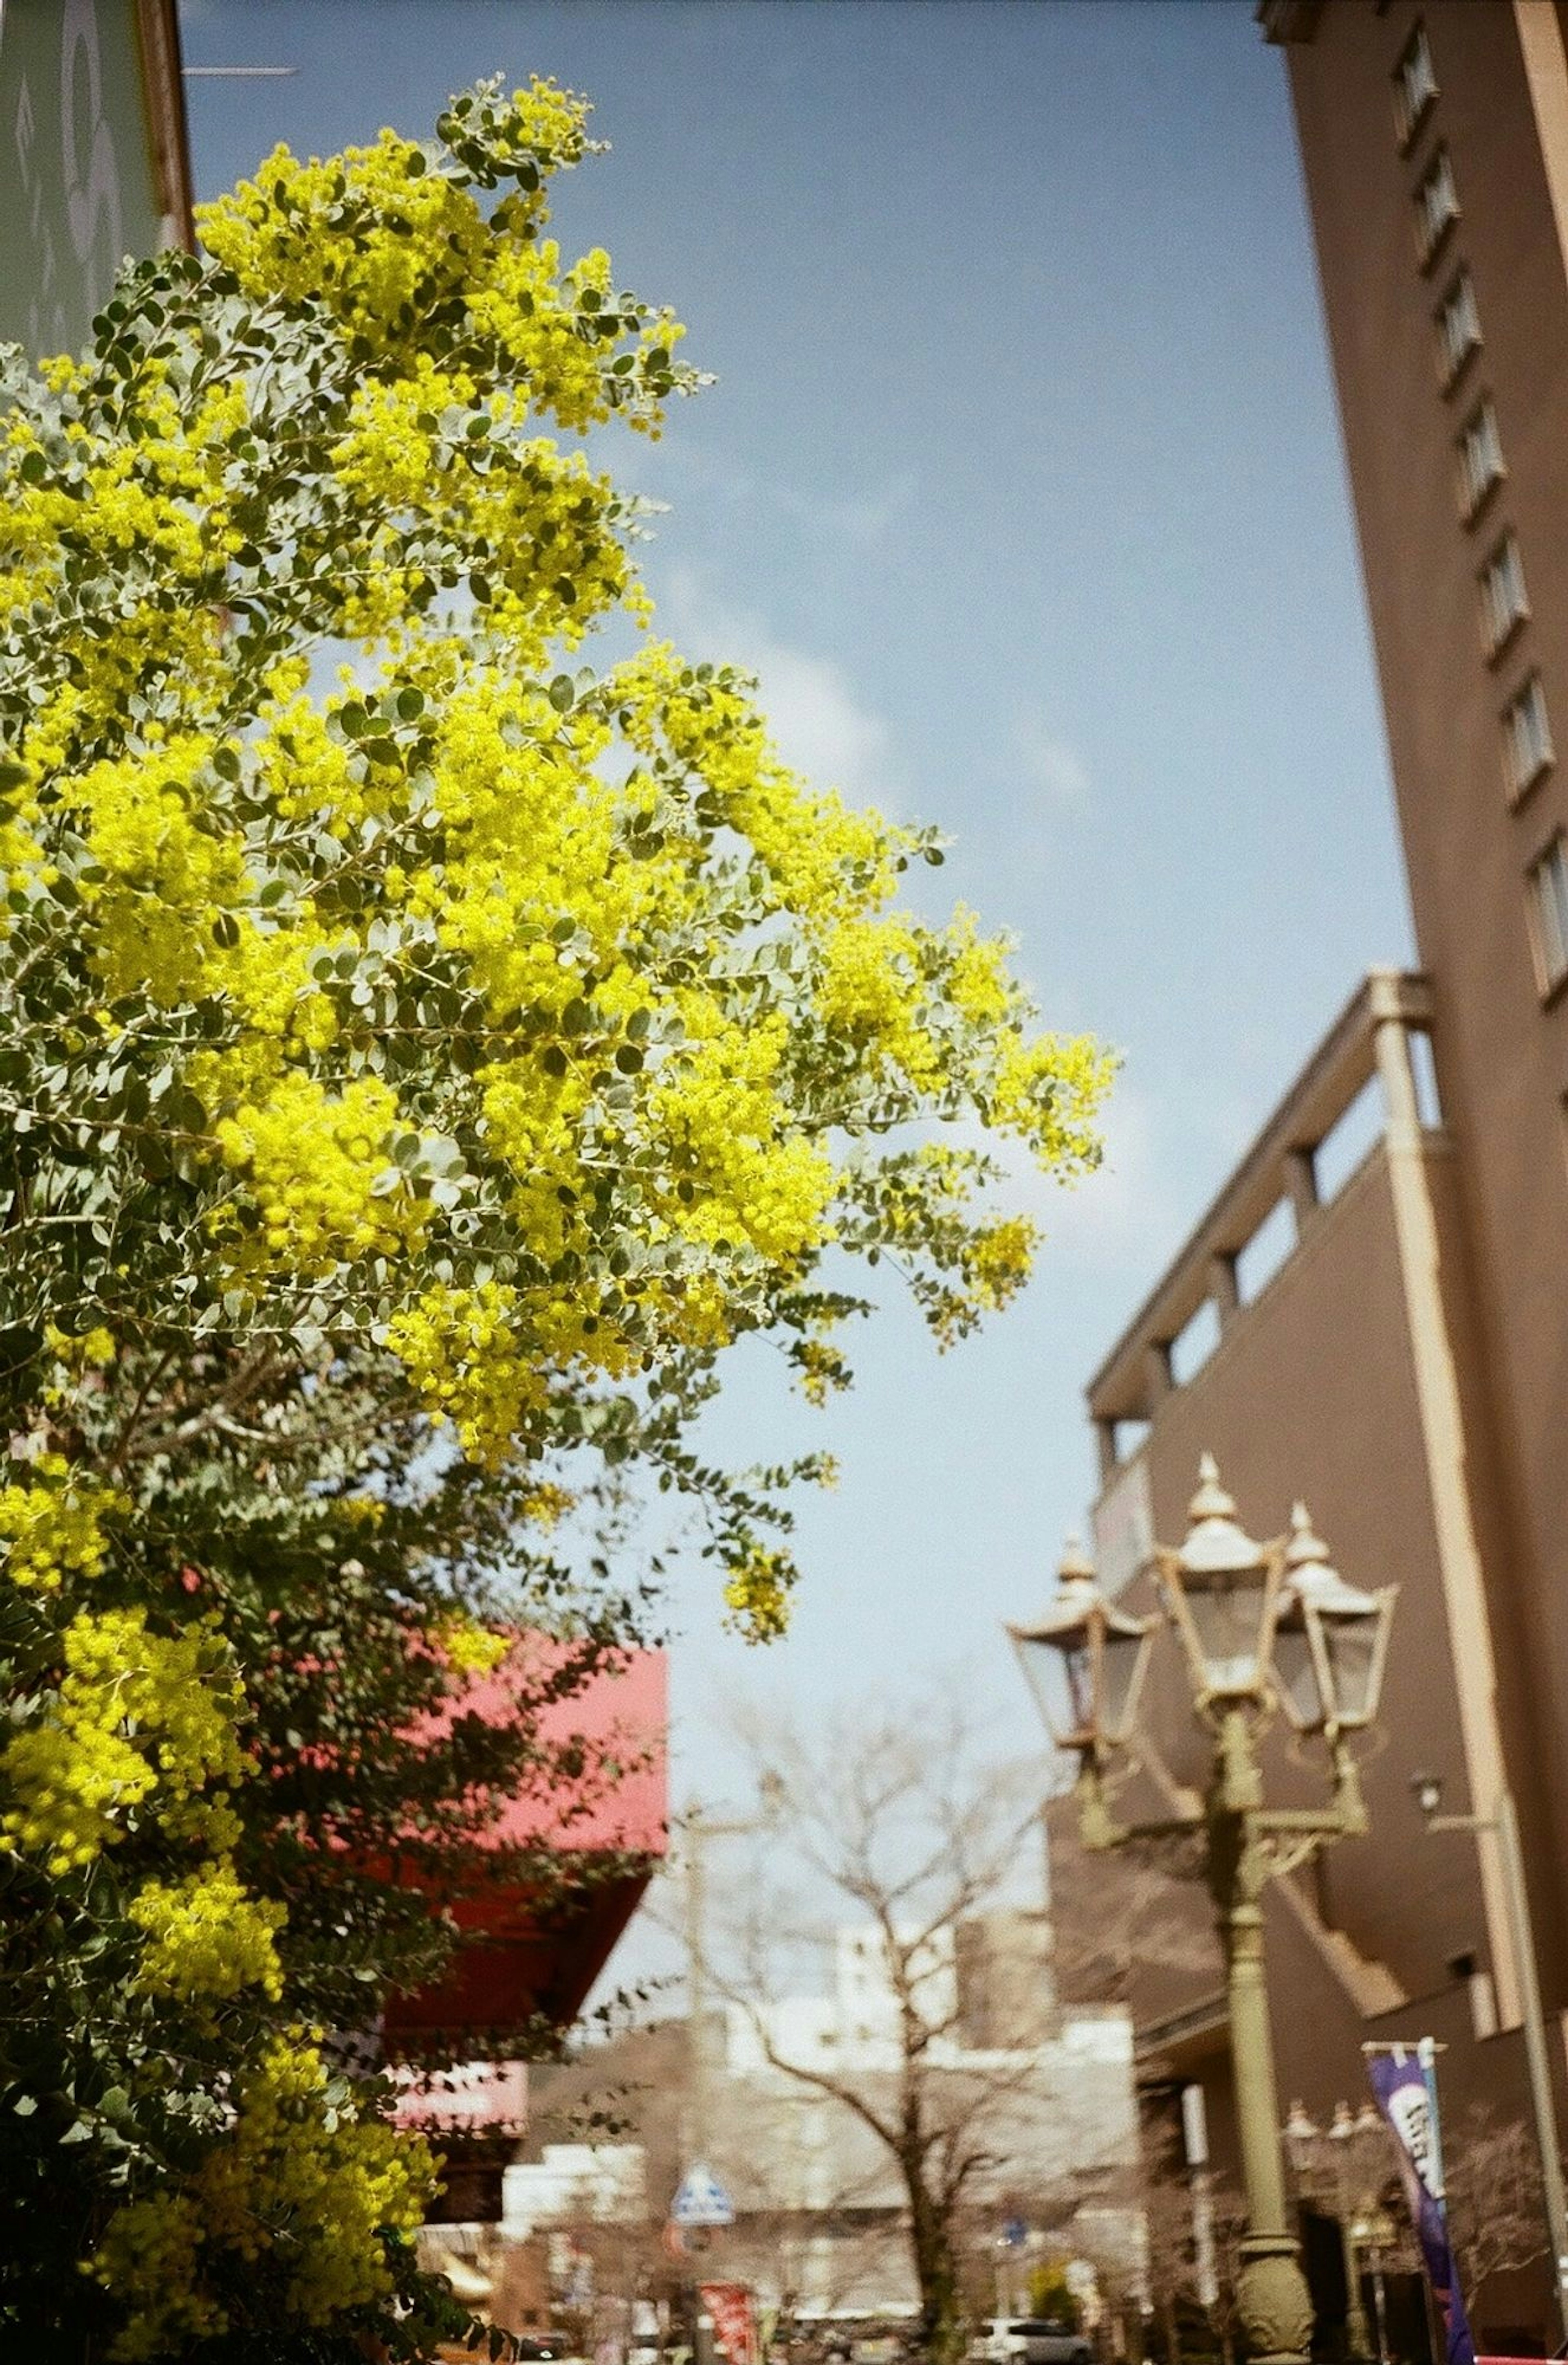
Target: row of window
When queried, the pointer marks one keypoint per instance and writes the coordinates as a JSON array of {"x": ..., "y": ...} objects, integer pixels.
[{"x": 1505, "y": 606}]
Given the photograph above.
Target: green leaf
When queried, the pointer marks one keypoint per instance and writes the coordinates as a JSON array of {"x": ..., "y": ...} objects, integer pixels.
[{"x": 562, "y": 693}]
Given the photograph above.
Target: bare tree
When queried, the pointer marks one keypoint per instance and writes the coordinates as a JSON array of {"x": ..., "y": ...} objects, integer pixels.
[
  {"x": 1172, "y": 2269},
  {"x": 1497, "y": 2217},
  {"x": 895, "y": 1840}
]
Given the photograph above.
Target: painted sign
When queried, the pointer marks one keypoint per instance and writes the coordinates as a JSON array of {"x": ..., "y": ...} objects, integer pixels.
[{"x": 734, "y": 2320}]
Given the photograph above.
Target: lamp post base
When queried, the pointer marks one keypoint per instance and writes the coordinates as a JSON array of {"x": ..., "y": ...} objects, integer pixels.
[{"x": 1272, "y": 2300}]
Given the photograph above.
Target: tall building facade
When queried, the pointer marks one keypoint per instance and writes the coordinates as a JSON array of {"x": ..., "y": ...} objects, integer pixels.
[
  {"x": 1434, "y": 143},
  {"x": 1375, "y": 1308}
]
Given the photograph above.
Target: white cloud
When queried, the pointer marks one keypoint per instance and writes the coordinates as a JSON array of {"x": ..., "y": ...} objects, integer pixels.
[
  {"x": 819, "y": 725},
  {"x": 861, "y": 520},
  {"x": 1048, "y": 763}
]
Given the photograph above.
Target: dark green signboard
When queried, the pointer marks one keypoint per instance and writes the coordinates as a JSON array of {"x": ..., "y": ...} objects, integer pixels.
[{"x": 79, "y": 182}]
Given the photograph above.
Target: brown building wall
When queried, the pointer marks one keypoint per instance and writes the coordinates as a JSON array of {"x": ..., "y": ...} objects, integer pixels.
[{"x": 1502, "y": 1054}]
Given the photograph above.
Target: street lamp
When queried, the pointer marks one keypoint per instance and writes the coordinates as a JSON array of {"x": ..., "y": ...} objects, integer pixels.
[
  {"x": 1503, "y": 1822},
  {"x": 1084, "y": 1661},
  {"x": 1330, "y": 1639},
  {"x": 1222, "y": 1592},
  {"x": 1226, "y": 1595},
  {"x": 1347, "y": 2150}
]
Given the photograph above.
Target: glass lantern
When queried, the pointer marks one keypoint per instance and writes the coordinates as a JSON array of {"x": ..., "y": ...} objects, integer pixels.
[
  {"x": 1330, "y": 1639},
  {"x": 1084, "y": 1661},
  {"x": 1222, "y": 1587}
]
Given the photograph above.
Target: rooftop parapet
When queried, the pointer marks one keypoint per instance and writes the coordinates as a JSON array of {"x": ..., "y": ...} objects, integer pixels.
[{"x": 1281, "y": 1186}]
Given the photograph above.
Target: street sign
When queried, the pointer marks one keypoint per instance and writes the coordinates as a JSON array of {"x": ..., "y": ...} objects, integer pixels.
[{"x": 701, "y": 2200}]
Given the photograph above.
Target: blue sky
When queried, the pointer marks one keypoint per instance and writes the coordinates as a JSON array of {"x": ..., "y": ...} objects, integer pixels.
[{"x": 1021, "y": 488}]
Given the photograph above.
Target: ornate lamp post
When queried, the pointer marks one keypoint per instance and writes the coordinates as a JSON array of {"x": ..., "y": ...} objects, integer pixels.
[{"x": 1232, "y": 1601}]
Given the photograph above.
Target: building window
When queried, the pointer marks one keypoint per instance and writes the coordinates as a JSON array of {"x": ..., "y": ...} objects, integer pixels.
[
  {"x": 1548, "y": 914},
  {"x": 1480, "y": 458},
  {"x": 1459, "y": 328},
  {"x": 1503, "y": 602},
  {"x": 1527, "y": 737},
  {"x": 1414, "y": 87},
  {"x": 1437, "y": 205}
]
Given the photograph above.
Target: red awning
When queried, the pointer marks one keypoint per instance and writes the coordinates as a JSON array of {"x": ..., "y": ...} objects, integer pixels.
[{"x": 540, "y": 1949}]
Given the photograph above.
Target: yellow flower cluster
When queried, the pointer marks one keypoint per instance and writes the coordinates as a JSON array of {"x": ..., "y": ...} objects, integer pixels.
[
  {"x": 977, "y": 983},
  {"x": 869, "y": 992},
  {"x": 151, "y": 2259},
  {"x": 52, "y": 1522},
  {"x": 756, "y": 1595},
  {"x": 318, "y": 1165},
  {"x": 463, "y": 1350},
  {"x": 206, "y": 1936},
  {"x": 417, "y": 239},
  {"x": 165, "y": 876},
  {"x": 820, "y": 1367},
  {"x": 299, "y": 2179},
  {"x": 545, "y": 1505},
  {"x": 469, "y": 1648},
  {"x": 420, "y": 242},
  {"x": 828, "y": 861},
  {"x": 751, "y": 1175},
  {"x": 135, "y": 1714},
  {"x": 1050, "y": 1089}
]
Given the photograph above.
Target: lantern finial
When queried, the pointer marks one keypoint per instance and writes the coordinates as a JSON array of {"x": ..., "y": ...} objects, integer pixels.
[
  {"x": 1075, "y": 1567},
  {"x": 1305, "y": 1546},
  {"x": 1211, "y": 1501}
]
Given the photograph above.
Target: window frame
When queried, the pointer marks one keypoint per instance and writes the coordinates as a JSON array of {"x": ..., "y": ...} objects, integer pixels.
[
  {"x": 1451, "y": 365},
  {"x": 1431, "y": 240},
  {"x": 1409, "y": 114},
  {"x": 1519, "y": 780},
  {"x": 1479, "y": 430},
  {"x": 1549, "y": 914},
  {"x": 1505, "y": 554}
]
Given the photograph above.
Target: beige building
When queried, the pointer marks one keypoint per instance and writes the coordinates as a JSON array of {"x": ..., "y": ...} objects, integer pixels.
[{"x": 1375, "y": 1309}]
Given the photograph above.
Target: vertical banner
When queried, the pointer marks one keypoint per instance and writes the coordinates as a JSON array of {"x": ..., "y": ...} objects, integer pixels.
[
  {"x": 1405, "y": 2082},
  {"x": 735, "y": 2325}
]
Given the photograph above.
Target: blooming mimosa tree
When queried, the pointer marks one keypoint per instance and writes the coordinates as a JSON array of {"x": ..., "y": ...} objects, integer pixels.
[{"x": 423, "y": 1053}]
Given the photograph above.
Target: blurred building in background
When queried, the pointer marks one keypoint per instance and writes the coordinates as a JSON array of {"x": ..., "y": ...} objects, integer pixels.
[{"x": 94, "y": 161}]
